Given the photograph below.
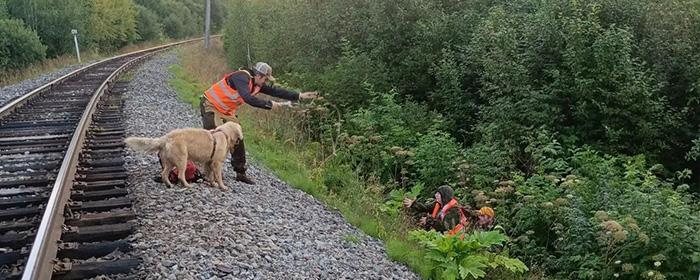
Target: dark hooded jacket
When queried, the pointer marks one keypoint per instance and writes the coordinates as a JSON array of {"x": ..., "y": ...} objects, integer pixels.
[
  {"x": 452, "y": 217},
  {"x": 239, "y": 82}
]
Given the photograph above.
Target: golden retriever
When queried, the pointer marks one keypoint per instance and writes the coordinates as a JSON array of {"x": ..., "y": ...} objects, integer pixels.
[{"x": 207, "y": 147}]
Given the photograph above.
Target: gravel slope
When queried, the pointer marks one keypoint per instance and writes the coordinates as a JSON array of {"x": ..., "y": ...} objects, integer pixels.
[
  {"x": 266, "y": 231},
  {"x": 8, "y": 93}
]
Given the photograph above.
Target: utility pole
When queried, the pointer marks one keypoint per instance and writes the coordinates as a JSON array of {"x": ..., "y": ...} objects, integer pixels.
[
  {"x": 207, "y": 20},
  {"x": 75, "y": 39}
]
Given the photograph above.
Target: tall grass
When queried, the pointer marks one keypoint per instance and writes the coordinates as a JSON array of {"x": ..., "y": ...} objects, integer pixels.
[
  {"x": 13, "y": 76},
  {"x": 278, "y": 140}
]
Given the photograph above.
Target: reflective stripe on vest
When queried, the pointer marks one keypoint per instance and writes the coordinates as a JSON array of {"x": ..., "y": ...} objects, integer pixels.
[
  {"x": 439, "y": 213},
  {"x": 225, "y": 99}
]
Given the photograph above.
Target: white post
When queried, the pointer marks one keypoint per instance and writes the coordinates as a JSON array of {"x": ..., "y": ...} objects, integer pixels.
[
  {"x": 75, "y": 39},
  {"x": 207, "y": 20}
]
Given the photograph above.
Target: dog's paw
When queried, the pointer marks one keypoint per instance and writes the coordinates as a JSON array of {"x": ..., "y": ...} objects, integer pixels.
[{"x": 224, "y": 188}]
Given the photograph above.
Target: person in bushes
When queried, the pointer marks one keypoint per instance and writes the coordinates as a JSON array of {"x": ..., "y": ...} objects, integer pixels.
[
  {"x": 221, "y": 101},
  {"x": 445, "y": 214}
]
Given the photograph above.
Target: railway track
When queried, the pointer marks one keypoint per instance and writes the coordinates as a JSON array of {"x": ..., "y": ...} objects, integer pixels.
[{"x": 65, "y": 211}]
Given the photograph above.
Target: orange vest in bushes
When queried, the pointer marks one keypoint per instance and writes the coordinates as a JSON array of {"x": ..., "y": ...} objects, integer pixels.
[
  {"x": 226, "y": 99},
  {"x": 439, "y": 212}
]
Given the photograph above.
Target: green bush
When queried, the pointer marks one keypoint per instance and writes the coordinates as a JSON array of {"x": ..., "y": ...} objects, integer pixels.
[
  {"x": 4, "y": 14},
  {"x": 112, "y": 23},
  {"x": 514, "y": 103},
  {"x": 180, "y": 18},
  {"x": 148, "y": 24},
  {"x": 53, "y": 22},
  {"x": 19, "y": 45},
  {"x": 454, "y": 258},
  {"x": 607, "y": 217},
  {"x": 435, "y": 158},
  {"x": 352, "y": 82},
  {"x": 384, "y": 139}
]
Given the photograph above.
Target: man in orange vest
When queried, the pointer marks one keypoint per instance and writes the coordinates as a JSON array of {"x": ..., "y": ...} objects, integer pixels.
[
  {"x": 221, "y": 101},
  {"x": 447, "y": 216}
]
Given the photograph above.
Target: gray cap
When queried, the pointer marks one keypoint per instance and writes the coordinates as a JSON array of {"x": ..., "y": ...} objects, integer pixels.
[{"x": 264, "y": 69}]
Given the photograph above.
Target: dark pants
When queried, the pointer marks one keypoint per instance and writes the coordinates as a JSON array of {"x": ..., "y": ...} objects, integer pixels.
[{"x": 238, "y": 154}]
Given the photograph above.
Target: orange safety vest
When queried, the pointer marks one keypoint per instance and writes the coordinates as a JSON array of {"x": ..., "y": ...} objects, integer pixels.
[
  {"x": 225, "y": 99},
  {"x": 440, "y": 212}
]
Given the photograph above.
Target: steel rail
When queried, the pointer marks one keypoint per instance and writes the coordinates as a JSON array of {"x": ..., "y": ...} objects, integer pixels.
[
  {"x": 39, "y": 263},
  {"x": 8, "y": 108}
]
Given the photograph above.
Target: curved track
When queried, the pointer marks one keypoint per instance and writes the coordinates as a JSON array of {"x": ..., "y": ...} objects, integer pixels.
[{"x": 64, "y": 207}]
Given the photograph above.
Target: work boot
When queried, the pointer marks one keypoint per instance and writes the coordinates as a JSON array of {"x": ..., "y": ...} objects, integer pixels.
[{"x": 241, "y": 177}]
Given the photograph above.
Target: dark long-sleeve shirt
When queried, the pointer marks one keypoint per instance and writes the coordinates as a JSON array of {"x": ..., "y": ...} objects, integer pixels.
[{"x": 240, "y": 81}]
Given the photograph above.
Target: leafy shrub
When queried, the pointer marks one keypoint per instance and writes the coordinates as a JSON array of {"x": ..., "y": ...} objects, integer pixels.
[
  {"x": 383, "y": 140},
  {"x": 395, "y": 201},
  {"x": 19, "y": 45},
  {"x": 609, "y": 217},
  {"x": 3, "y": 10},
  {"x": 468, "y": 258},
  {"x": 112, "y": 23},
  {"x": 148, "y": 24},
  {"x": 180, "y": 18},
  {"x": 335, "y": 175},
  {"x": 435, "y": 158},
  {"x": 531, "y": 90},
  {"x": 352, "y": 83},
  {"x": 53, "y": 22}
]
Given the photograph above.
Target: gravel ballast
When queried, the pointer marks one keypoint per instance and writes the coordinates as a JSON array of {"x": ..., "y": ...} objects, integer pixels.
[
  {"x": 266, "y": 231},
  {"x": 10, "y": 92}
]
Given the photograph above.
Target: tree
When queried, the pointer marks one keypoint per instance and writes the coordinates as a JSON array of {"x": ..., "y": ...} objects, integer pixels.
[
  {"x": 52, "y": 20},
  {"x": 112, "y": 23},
  {"x": 148, "y": 24},
  {"x": 19, "y": 45}
]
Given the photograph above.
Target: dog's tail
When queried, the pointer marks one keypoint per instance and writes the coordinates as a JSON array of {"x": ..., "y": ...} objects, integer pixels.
[{"x": 147, "y": 145}]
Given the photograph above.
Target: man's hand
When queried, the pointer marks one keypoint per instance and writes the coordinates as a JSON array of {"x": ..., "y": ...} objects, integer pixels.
[
  {"x": 423, "y": 221},
  {"x": 308, "y": 95},
  {"x": 276, "y": 105},
  {"x": 407, "y": 202}
]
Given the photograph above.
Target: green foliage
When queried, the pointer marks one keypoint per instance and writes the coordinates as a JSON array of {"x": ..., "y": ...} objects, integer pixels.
[
  {"x": 352, "y": 82},
  {"x": 239, "y": 34},
  {"x": 4, "y": 14},
  {"x": 105, "y": 25},
  {"x": 602, "y": 219},
  {"x": 180, "y": 18},
  {"x": 394, "y": 202},
  {"x": 694, "y": 152},
  {"x": 112, "y": 23},
  {"x": 436, "y": 154},
  {"x": 335, "y": 175},
  {"x": 19, "y": 45},
  {"x": 53, "y": 21},
  {"x": 548, "y": 110},
  {"x": 148, "y": 25},
  {"x": 385, "y": 141},
  {"x": 186, "y": 86},
  {"x": 468, "y": 258}
]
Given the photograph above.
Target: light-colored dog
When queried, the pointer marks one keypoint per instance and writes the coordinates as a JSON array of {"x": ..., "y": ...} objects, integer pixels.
[{"x": 207, "y": 147}]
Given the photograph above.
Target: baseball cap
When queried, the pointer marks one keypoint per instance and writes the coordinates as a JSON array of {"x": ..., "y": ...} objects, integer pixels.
[{"x": 264, "y": 69}]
